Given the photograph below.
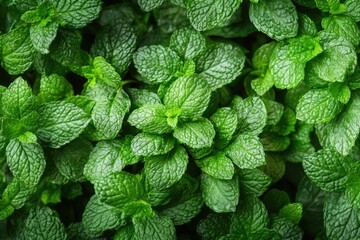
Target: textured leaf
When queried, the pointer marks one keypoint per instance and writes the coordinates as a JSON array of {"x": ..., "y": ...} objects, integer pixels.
[
  {"x": 146, "y": 144},
  {"x": 61, "y": 122},
  {"x": 42, "y": 36},
  {"x": 197, "y": 134},
  {"x": 156, "y": 63},
  {"x": 220, "y": 64},
  {"x": 275, "y": 18},
  {"x": 141, "y": 97},
  {"x": 220, "y": 195},
  {"x": 205, "y": 15},
  {"x": 253, "y": 181},
  {"x": 191, "y": 95},
  {"x": 217, "y": 165},
  {"x": 54, "y": 88},
  {"x": 353, "y": 9},
  {"x": 342, "y": 26},
  {"x": 154, "y": 228},
  {"x": 148, "y": 5},
  {"x": 214, "y": 226},
  {"x": 287, "y": 229},
  {"x": 224, "y": 121}
]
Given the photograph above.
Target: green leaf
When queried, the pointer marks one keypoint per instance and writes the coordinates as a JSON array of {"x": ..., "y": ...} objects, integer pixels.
[
  {"x": 43, "y": 224},
  {"x": 306, "y": 26},
  {"x": 336, "y": 61},
  {"x": 251, "y": 114},
  {"x": 85, "y": 103},
  {"x": 141, "y": 97},
  {"x": 148, "y": 5},
  {"x": 274, "y": 111},
  {"x": 61, "y": 122},
  {"x": 261, "y": 57},
  {"x": 116, "y": 43},
  {"x": 275, "y": 166},
  {"x": 17, "y": 192},
  {"x": 196, "y": 134},
  {"x": 77, "y": 14},
  {"x": 119, "y": 189},
  {"x": 190, "y": 94},
  {"x": 154, "y": 228},
  {"x": 26, "y": 161},
  {"x": 353, "y": 9},
  {"x": 17, "y": 53},
  {"x": 108, "y": 113},
  {"x": 157, "y": 64},
  {"x": 341, "y": 133},
  {"x": 287, "y": 63},
  {"x": 225, "y": 122},
  {"x": 246, "y": 152},
  {"x": 220, "y": 195},
  {"x": 71, "y": 159},
  {"x": 187, "y": 43},
  {"x": 165, "y": 170},
  {"x": 352, "y": 191},
  {"x": 275, "y": 18},
  {"x": 76, "y": 231},
  {"x": 341, "y": 218},
  {"x": 250, "y": 216},
  {"x": 328, "y": 169},
  {"x": 146, "y": 144},
  {"x": 150, "y": 118},
  {"x": 342, "y": 26},
  {"x": 292, "y": 212},
  {"x": 253, "y": 181},
  {"x": 220, "y": 64},
  {"x": 286, "y": 228},
  {"x": 54, "y": 88},
  {"x": 214, "y": 226},
  {"x": 205, "y": 15},
  {"x": 42, "y": 36},
  {"x": 217, "y": 165},
  {"x": 332, "y": 6},
  {"x": 317, "y": 106},
  {"x": 99, "y": 217}
]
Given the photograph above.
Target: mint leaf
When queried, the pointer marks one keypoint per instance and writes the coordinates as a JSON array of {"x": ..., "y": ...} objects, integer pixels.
[
  {"x": 353, "y": 9},
  {"x": 18, "y": 56},
  {"x": 141, "y": 97},
  {"x": 217, "y": 165},
  {"x": 332, "y": 6},
  {"x": 340, "y": 218},
  {"x": 165, "y": 170},
  {"x": 352, "y": 188},
  {"x": 214, "y": 226},
  {"x": 317, "y": 106},
  {"x": 306, "y": 26},
  {"x": 26, "y": 161},
  {"x": 342, "y": 26},
  {"x": 60, "y": 123},
  {"x": 224, "y": 121},
  {"x": 220, "y": 195},
  {"x": 246, "y": 152},
  {"x": 54, "y": 88},
  {"x": 190, "y": 95},
  {"x": 341, "y": 133},
  {"x": 42, "y": 36},
  {"x": 42, "y": 224},
  {"x": 116, "y": 44},
  {"x": 275, "y": 18},
  {"x": 148, "y": 5},
  {"x": 119, "y": 189},
  {"x": 205, "y": 15},
  {"x": 292, "y": 212},
  {"x": 99, "y": 217},
  {"x": 196, "y": 134},
  {"x": 77, "y": 14},
  {"x": 150, "y": 118},
  {"x": 328, "y": 169},
  {"x": 220, "y": 64},
  {"x": 146, "y": 144},
  {"x": 253, "y": 181},
  {"x": 286, "y": 228},
  {"x": 157, "y": 227},
  {"x": 187, "y": 43},
  {"x": 157, "y": 64}
]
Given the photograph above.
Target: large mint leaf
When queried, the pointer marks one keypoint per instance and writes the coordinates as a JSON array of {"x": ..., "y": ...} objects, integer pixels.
[
  {"x": 317, "y": 106},
  {"x": 61, "y": 122},
  {"x": 246, "y": 151},
  {"x": 220, "y": 64},
  {"x": 116, "y": 43},
  {"x": 165, "y": 170},
  {"x": 196, "y": 134},
  {"x": 275, "y": 18},
  {"x": 342, "y": 26},
  {"x": 187, "y": 43},
  {"x": 341, "y": 133},
  {"x": 146, "y": 144},
  {"x": 54, "y": 88},
  {"x": 217, "y": 165},
  {"x": 190, "y": 95},
  {"x": 342, "y": 220},
  {"x": 214, "y": 226},
  {"x": 156, "y": 63},
  {"x": 98, "y": 216},
  {"x": 42, "y": 36},
  {"x": 328, "y": 169},
  {"x": 148, "y": 5},
  {"x": 225, "y": 122},
  {"x": 77, "y": 13},
  {"x": 220, "y": 195},
  {"x": 353, "y": 9},
  {"x": 154, "y": 228},
  {"x": 17, "y": 51},
  {"x": 119, "y": 189},
  {"x": 43, "y": 224},
  {"x": 253, "y": 181},
  {"x": 26, "y": 161},
  {"x": 150, "y": 118},
  {"x": 205, "y": 15}
]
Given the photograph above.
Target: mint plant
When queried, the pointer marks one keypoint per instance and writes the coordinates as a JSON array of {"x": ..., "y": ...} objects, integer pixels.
[{"x": 179, "y": 119}]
